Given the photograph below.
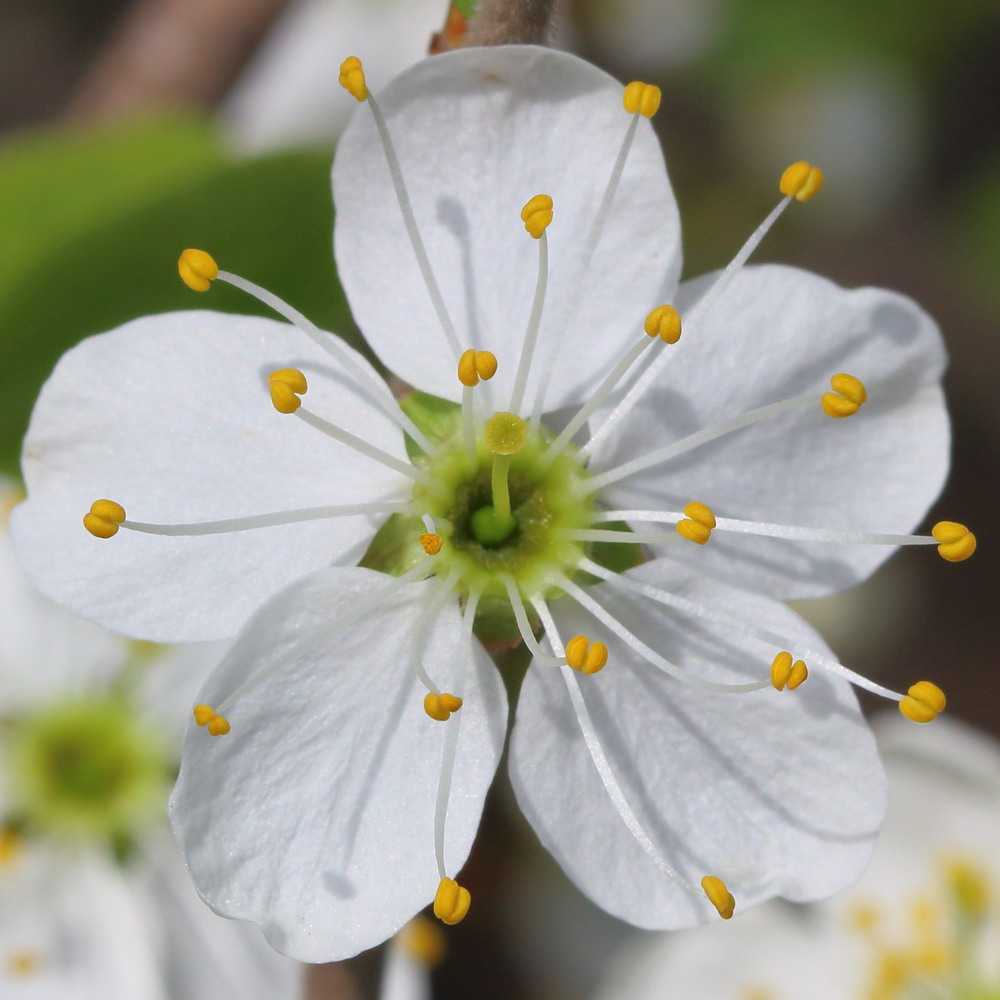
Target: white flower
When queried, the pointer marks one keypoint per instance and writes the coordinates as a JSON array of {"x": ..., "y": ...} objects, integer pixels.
[
  {"x": 335, "y": 806},
  {"x": 923, "y": 922},
  {"x": 95, "y": 903}
]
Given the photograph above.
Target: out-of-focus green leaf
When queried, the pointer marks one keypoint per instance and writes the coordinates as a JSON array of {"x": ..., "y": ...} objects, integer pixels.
[
  {"x": 57, "y": 182},
  {"x": 269, "y": 220}
]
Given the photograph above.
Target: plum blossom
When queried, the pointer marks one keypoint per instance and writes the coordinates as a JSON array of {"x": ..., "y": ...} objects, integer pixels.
[
  {"x": 95, "y": 903},
  {"x": 922, "y": 922},
  {"x": 626, "y": 473}
]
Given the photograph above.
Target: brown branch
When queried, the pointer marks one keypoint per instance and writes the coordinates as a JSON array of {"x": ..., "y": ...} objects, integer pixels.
[
  {"x": 498, "y": 22},
  {"x": 179, "y": 52}
]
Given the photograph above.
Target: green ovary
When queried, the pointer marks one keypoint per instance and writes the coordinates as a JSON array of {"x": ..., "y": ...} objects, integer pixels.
[
  {"x": 86, "y": 768},
  {"x": 544, "y": 504}
]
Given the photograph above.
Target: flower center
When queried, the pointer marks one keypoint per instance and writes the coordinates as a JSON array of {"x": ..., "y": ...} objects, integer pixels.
[{"x": 85, "y": 768}]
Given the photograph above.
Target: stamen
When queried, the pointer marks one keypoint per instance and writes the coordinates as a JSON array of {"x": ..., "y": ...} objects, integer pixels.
[
  {"x": 583, "y": 264},
  {"x": 924, "y": 702},
  {"x": 362, "y": 446},
  {"x": 694, "y": 440},
  {"x": 11, "y": 846},
  {"x": 429, "y": 612},
  {"x": 944, "y": 534},
  {"x": 847, "y": 398},
  {"x": 472, "y": 366},
  {"x": 286, "y": 386},
  {"x": 641, "y": 99},
  {"x": 100, "y": 521},
  {"x": 441, "y": 706},
  {"x": 197, "y": 269},
  {"x": 716, "y": 617},
  {"x": 524, "y": 626},
  {"x": 352, "y": 78},
  {"x": 801, "y": 181},
  {"x": 601, "y": 763},
  {"x": 424, "y": 943},
  {"x": 698, "y": 524},
  {"x": 450, "y": 751},
  {"x": 585, "y": 656},
  {"x": 217, "y": 725},
  {"x": 431, "y": 543},
  {"x": 536, "y": 215},
  {"x": 451, "y": 902},
  {"x": 650, "y": 656},
  {"x": 506, "y": 434},
  {"x": 663, "y": 322},
  {"x": 697, "y": 314},
  {"x": 785, "y": 673},
  {"x": 104, "y": 519},
  {"x": 719, "y": 896}
]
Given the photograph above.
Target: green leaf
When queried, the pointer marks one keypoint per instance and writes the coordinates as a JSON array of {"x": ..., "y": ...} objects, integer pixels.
[
  {"x": 268, "y": 219},
  {"x": 439, "y": 419},
  {"x": 466, "y": 7},
  {"x": 57, "y": 182}
]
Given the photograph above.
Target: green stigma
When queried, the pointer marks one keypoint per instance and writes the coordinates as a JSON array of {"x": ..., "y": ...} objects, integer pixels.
[{"x": 86, "y": 768}]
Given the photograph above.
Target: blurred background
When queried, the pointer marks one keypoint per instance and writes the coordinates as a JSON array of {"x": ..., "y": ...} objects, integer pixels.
[{"x": 130, "y": 129}]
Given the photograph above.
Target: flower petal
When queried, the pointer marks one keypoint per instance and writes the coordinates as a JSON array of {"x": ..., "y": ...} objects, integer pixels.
[
  {"x": 478, "y": 133},
  {"x": 780, "y": 332},
  {"x": 169, "y": 415},
  {"x": 314, "y": 817},
  {"x": 777, "y": 793}
]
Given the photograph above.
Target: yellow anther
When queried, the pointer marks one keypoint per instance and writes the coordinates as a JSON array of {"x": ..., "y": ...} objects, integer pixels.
[
  {"x": 286, "y": 386},
  {"x": 719, "y": 896},
  {"x": 864, "y": 917},
  {"x": 924, "y": 702},
  {"x": 10, "y": 847},
  {"x": 641, "y": 99},
  {"x": 506, "y": 433},
  {"x": 664, "y": 322},
  {"x": 801, "y": 181},
  {"x": 197, "y": 269},
  {"x": 784, "y": 673},
  {"x": 847, "y": 398},
  {"x": 23, "y": 963},
  {"x": 970, "y": 886},
  {"x": 219, "y": 726},
  {"x": 203, "y": 714},
  {"x": 955, "y": 541},
  {"x": 424, "y": 941},
  {"x": 440, "y": 706},
  {"x": 451, "y": 902},
  {"x": 432, "y": 543},
  {"x": 586, "y": 656},
  {"x": 352, "y": 78},
  {"x": 475, "y": 365},
  {"x": 104, "y": 518},
  {"x": 698, "y": 524},
  {"x": 537, "y": 214}
]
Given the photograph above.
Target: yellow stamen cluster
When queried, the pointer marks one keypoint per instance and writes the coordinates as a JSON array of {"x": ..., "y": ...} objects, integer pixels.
[
  {"x": 924, "y": 702},
  {"x": 104, "y": 518},
  {"x": 955, "y": 541},
  {"x": 801, "y": 181},
  {"x": 432, "y": 543},
  {"x": 506, "y": 433},
  {"x": 970, "y": 885},
  {"x": 352, "y": 78},
  {"x": 217, "y": 725},
  {"x": 286, "y": 386},
  {"x": 537, "y": 214},
  {"x": 440, "y": 706},
  {"x": 197, "y": 269},
  {"x": 424, "y": 941},
  {"x": 664, "y": 322},
  {"x": 698, "y": 524},
  {"x": 451, "y": 902},
  {"x": 586, "y": 656},
  {"x": 785, "y": 673},
  {"x": 719, "y": 896},
  {"x": 641, "y": 99},
  {"x": 848, "y": 396},
  {"x": 10, "y": 847},
  {"x": 476, "y": 365}
]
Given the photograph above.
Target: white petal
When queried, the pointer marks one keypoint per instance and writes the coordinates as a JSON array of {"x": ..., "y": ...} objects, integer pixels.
[
  {"x": 314, "y": 817},
  {"x": 775, "y": 793},
  {"x": 780, "y": 332},
  {"x": 170, "y": 416},
  {"x": 478, "y": 133},
  {"x": 45, "y": 651},
  {"x": 203, "y": 955}
]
